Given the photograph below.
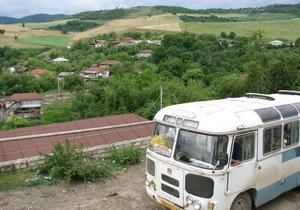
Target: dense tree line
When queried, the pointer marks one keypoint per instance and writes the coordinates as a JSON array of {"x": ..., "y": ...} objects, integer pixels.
[
  {"x": 211, "y": 18},
  {"x": 275, "y": 8},
  {"x": 102, "y": 15},
  {"x": 74, "y": 26}
]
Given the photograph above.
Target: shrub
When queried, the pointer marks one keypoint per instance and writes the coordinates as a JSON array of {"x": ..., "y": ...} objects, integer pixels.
[
  {"x": 68, "y": 163},
  {"x": 127, "y": 155}
]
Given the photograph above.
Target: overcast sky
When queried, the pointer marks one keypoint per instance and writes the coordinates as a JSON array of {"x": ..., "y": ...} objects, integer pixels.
[{"x": 20, "y": 8}]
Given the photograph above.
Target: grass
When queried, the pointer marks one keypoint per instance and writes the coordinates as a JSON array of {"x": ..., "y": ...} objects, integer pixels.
[
  {"x": 45, "y": 25},
  {"x": 21, "y": 179},
  {"x": 284, "y": 29},
  {"x": 68, "y": 164},
  {"x": 57, "y": 40}
]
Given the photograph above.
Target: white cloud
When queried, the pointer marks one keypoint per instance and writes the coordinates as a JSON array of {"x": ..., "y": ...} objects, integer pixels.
[{"x": 19, "y": 8}]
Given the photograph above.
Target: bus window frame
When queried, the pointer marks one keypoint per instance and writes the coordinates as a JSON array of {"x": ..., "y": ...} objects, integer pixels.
[
  {"x": 291, "y": 145},
  {"x": 232, "y": 147},
  {"x": 281, "y": 140}
]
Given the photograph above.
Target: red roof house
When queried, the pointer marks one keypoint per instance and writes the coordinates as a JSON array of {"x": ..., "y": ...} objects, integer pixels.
[{"x": 39, "y": 71}]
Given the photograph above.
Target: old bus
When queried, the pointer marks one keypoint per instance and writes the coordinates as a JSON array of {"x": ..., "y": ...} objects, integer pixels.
[{"x": 234, "y": 153}]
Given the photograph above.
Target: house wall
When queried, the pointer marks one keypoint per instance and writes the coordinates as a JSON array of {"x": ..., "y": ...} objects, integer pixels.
[{"x": 31, "y": 104}]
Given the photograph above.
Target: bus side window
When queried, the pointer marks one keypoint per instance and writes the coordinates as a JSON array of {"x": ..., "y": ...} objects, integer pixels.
[
  {"x": 291, "y": 133},
  {"x": 272, "y": 139},
  {"x": 243, "y": 149}
]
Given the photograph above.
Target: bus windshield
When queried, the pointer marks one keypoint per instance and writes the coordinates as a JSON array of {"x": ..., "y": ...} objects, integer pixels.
[
  {"x": 163, "y": 140},
  {"x": 200, "y": 150}
]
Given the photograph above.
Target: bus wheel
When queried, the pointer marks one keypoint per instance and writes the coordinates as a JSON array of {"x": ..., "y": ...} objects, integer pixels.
[{"x": 242, "y": 202}]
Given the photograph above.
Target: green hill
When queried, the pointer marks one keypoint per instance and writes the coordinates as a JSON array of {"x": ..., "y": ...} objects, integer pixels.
[{"x": 38, "y": 18}]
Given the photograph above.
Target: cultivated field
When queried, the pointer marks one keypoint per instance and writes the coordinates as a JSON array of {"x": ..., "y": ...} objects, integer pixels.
[
  {"x": 164, "y": 22},
  {"x": 28, "y": 37},
  {"x": 35, "y": 35},
  {"x": 283, "y": 29}
]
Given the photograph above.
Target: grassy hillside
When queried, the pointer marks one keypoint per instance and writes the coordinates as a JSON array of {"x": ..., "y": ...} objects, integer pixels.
[
  {"x": 277, "y": 22},
  {"x": 284, "y": 29}
]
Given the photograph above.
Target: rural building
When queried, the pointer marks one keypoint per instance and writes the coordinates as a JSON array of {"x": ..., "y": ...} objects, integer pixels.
[
  {"x": 126, "y": 42},
  {"x": 276, "y": 43},
  {"x": 60, "y": 60},
  {"x": 144, "y": 53},
  {"x": 25, "y": 104},
  {"x": 99, "y": 43},
  {"x": 227, "y": 42},
  {"x": 39, "y": 72},
  {"x": 154, "y": 42},
  {"x": 21, "y": 69},
  {"x": 93, "y": 73},
  {"x": 92, "y": 134},
  {"x": 62, "y": 75},
  {"x": 109, "y": 63}
]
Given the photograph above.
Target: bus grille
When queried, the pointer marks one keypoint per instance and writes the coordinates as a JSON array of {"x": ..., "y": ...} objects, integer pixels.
[
  {"x": 170, "y": 190},
  {"x": 170, "y": 180}
]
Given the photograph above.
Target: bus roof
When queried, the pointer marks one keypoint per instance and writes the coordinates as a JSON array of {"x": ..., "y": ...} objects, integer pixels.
[{"x": 233, "y": 114}]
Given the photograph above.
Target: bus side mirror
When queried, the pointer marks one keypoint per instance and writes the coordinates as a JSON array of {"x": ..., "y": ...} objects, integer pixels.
[{"x": 223, "y": 159}]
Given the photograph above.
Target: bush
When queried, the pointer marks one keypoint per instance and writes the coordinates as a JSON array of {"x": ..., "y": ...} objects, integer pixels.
[
  {"x": 68, "y": 163},
  {"x": 127, "y": 155}
]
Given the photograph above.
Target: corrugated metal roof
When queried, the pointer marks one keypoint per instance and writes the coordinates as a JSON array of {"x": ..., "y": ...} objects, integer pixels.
[
  {"x": 29, "y": 142},
  {"x": 25, "y": 96}
]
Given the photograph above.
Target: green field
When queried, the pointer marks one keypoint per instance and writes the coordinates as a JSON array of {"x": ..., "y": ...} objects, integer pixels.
[
  {"x": 40, "y": 41},
  {"x": 284, "y": 29},
  {"x": 46, "y": 24}
]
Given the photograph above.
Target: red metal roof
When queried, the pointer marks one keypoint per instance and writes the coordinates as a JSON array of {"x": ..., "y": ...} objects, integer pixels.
[
  {"x": 39, "y": 71},
  {"x": 94, "y": 69},
  {"x": 31, "y": 141},
  {"x": 110, "y": 62},
  {"x": 25, "y": 97}
]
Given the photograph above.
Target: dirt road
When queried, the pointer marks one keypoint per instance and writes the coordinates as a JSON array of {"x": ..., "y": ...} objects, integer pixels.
[{"x": 125, "y": 192}]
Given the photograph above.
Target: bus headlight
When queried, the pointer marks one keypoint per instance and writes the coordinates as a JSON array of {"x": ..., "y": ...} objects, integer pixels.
[
  {"x": 147, "y": 183},
  {"x": 197, "y": 205},
  {"x": 189, "y": 200}
]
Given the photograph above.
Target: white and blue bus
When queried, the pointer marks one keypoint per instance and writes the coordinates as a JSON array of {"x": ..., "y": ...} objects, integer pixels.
[{"x": 234, "y": 153}]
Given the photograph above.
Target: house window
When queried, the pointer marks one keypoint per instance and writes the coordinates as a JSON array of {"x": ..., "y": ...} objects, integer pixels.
[
  {"x": 243, "y": 149},
  {"x": 272, "y": 139},
  {"x": 291, "y": 133}
]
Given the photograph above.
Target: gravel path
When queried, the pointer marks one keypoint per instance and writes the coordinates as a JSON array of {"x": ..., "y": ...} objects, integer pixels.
[{"x": 126, "y": 191}]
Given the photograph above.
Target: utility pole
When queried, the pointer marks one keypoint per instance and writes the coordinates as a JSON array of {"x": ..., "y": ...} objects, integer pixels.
[{"x": 161, "y": 96}]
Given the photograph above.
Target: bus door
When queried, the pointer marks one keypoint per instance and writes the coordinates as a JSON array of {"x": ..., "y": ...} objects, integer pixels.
[
  {"x": 242, "y": 169},
  {"x": 268, "y": 183}
]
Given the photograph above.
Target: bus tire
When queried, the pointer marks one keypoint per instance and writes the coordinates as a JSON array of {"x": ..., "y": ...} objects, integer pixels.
[{"x": 242, "y": 202}]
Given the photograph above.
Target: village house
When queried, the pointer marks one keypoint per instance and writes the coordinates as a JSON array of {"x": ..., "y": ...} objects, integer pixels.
[
  {"x": 227, "y": 42},
  {"x": 154, "y": 42},
  {"x": 39, "y": 72},
  {"x": 109, "y": 63},
  {"x": 27, "y": 105},
  {"x": 60, "y": 60},
  {"x": 93, "y": 73},
  {"x": 276, "y": 43},
  {"x": 62, "y": 75},
  {"x": 18, "y": 69},
  {"x": 126, "y": 42},
  {"x": 144, "y": 53},
  {"x": 99, "y": 43}
]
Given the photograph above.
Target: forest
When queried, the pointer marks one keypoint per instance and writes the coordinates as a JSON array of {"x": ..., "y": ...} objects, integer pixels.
[
  {"x": 186, "y": 66},
  {"x": 211, "y": 18},
  {"x": 74, "y": 25}
]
